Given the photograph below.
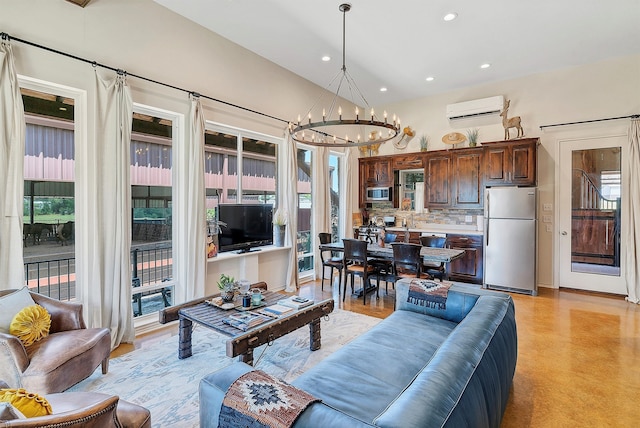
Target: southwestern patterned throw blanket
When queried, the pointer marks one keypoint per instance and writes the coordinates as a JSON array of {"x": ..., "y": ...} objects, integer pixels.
[
  {"x": 259, "y": 400},
  {"x": 431, "y": 294}
]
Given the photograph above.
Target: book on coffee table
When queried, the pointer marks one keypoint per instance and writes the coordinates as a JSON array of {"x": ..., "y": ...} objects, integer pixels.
[
  {"x": 245, "y": 320},
  {"x": 276, "y": 309},
  {"x": 296, "y": 302}
]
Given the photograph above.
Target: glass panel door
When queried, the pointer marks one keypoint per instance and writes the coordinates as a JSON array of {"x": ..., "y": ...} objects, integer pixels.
[{"x": 591, "y": 223}]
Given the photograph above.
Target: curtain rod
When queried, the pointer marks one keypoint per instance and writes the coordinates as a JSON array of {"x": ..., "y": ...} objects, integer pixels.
[
  {"x": 5, "y": 36},
  {"x": 631, "y": 116}
]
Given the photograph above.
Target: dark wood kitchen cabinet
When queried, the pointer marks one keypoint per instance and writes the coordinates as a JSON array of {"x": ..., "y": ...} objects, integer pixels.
[
  {"x": 468, "y": 268},
  {"x": 467, "y": 178},
  {"x": 454, "y": 179},
  {"x": 378, "y": 172},
  {"x": 411, "y": 161},
  {"x": 373, "y": 172},
  {"x": 438, "y": 173},
  {"x": 407, "y": 236},
  {"x": 511, "y": 163}
]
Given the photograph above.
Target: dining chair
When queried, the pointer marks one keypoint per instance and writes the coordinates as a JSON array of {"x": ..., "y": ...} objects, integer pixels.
[
  {"x": 434, "y": 270},
  {"x": 329, "y": 261},
  {"x": 356, "y": 263},
  {"x": 384, "y": 265},
  {"x": 407, "y": 262}
]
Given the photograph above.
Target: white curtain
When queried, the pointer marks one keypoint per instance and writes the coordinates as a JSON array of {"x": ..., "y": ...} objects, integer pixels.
[
  {"x": 633, "y": 214},
  {"x": 321, "y": 194},
  {"x": 108, "y": 295},
  {"x": 349, "y": 182},
  {"x": 12, "y": 132},
  {"x": 288, "y": 201},
  {"x": 191, "y": 210}
]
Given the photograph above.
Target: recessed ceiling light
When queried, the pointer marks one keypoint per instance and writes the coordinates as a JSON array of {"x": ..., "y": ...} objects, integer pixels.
[
  {"x": 485, "y": 65},
  {"x": 430, "y": 79},
  {"x": 326, "y": 58},
  {"x": 383, "y": 89},
  {"x": 450, "y": 16}
]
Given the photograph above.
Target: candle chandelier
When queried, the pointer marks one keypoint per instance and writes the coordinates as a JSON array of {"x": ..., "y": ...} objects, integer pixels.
[{"x": 337, "y": 130}]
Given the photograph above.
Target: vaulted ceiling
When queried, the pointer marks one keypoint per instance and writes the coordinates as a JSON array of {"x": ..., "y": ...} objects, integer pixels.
[{"x": 398, "y": 44}]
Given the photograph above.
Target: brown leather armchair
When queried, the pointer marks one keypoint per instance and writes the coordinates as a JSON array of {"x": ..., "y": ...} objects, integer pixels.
[
  {"x": 86, "y": 409},
  {"x": 70, "y": 353}
]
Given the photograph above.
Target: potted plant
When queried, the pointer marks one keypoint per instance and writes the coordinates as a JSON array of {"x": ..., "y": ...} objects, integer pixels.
[
  {"x": 227, "y": 286},
  {"x": 424, "y": 143},
  {"x": 279, "y": 226},
  {"x": 472, "y": 136}
]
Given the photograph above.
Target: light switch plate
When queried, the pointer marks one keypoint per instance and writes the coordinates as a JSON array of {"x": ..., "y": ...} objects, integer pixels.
[
  {"x": 546, "y": 219},
  {"x": 549, "y": 228},
  {"x": 547, "y": 207}
]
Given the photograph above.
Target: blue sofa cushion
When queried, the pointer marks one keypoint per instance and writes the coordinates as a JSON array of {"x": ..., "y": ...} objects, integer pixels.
[
  {"x": 467, "y": 381},
  {"x": 373, "y": 359}
]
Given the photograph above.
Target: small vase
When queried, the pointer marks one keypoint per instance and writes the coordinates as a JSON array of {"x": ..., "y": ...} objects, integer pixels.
[
  {"x": 279, "y": 231},
  {"x": 228, "y": 295}
]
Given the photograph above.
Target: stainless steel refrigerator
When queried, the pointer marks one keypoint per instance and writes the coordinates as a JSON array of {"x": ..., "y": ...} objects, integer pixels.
[{"x": 510, "y": 231}]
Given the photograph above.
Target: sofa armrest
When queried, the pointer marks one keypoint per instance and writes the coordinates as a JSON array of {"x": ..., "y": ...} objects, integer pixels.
[
  {"x": 74, "y": 411},
  {"x": 13, "y": 359},
  {"x": 214, "y": 386},
  {"x": 64, "y": 315}
]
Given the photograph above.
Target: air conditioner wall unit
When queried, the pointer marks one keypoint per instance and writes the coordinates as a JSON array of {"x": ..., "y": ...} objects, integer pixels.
[{"x": 481, "y": 107}]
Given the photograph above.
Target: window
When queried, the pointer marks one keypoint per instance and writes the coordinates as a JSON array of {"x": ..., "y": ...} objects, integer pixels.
[
  {"x": 151, "y": 206},
  {"x": 305, "y": 227},
  {"x": 228, "y": 151},
  {"x": 49, "y": 190},
  {"x": 335, "y": 174}
]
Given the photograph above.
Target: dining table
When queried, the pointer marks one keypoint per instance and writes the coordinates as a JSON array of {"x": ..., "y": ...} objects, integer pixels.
[{"x": 428, "y": 254}]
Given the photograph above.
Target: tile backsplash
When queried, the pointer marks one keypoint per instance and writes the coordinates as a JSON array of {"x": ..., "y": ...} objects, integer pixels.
[{"x": 414, "y": 219}]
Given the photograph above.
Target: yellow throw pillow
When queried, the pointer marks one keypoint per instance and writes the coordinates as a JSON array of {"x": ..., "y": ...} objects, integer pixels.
[
  {"x": 31, "y": 324},
  {"x": 29, "y": 404}
]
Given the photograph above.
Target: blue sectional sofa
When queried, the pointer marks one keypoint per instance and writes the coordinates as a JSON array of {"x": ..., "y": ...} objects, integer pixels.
[{"x": 419, "y": 367}]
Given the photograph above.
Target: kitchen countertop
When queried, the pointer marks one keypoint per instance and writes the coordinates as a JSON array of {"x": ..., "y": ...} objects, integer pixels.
[{"x": 457, "y": 229}]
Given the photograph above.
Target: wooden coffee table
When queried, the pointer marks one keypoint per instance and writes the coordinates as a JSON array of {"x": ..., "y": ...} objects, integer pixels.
[{"x": 242, "y": 343}]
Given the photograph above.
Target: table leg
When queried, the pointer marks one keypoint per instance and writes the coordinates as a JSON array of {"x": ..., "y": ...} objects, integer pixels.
[
  {"x": 184, "y": 338},
  {"x": 314, "y": 334},
  {"x": 247, "y": 357}
]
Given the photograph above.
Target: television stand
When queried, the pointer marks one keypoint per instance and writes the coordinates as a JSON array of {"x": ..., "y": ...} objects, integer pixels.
[{"x": 248, "y": 250}]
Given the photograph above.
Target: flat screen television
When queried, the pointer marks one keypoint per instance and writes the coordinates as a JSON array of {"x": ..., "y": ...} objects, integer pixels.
[{"x": 247, "y": 226}]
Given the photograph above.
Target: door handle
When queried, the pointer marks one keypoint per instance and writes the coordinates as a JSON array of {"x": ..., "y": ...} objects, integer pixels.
[
  {"x": 486, "y": 232},
  {"x": 564, "y": 233}
]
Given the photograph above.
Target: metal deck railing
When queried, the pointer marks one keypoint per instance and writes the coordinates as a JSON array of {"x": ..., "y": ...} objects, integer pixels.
[{"x": 150, "y": 267}]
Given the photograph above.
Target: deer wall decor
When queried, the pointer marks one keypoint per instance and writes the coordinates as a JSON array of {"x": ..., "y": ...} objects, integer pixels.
[{"x": 512, "y": 122}]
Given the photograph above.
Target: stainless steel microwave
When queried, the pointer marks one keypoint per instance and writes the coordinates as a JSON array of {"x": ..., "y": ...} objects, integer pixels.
[{"x": 379, "y": 193}]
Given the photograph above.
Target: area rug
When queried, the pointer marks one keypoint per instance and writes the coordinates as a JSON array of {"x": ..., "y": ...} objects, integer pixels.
[{"x": 155, "y": 378}]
